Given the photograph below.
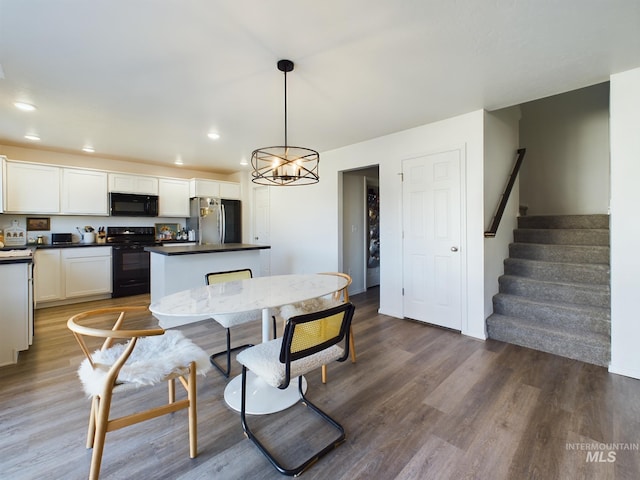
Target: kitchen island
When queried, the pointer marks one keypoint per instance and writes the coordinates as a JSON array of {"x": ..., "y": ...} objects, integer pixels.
[{"x": 182, "y": 267}]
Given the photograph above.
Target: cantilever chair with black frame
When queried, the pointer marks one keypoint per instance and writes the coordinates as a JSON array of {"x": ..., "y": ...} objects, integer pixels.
[
  {"x": 149, "y": 357},
  {"x": 232, "y": 319},
  {"x": 309, "y": 341}
]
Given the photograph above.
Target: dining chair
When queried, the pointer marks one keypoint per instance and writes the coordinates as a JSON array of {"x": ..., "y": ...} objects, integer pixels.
[
  {"x": 148, "y": 357},
  {"x": 232, "y": 319},
  {"x": 336, "y": 298},
  {"x": 309, "y": 341}
]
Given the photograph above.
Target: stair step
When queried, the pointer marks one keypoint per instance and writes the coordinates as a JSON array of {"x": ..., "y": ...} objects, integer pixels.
[
  {"x": 560, "y": 253},
  {"x": 586, "y": 347},
  {"x": 573, "y": 293},
  {"x": 564, "y": 221},
  {"x": 562, "y": 236},
  {"x": 558, "y": 272},
  {"x": 554, "y": 314}
]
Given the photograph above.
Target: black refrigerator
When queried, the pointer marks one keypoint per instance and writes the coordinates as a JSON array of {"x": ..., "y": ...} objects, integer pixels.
[{"x": 232, "y": 211}]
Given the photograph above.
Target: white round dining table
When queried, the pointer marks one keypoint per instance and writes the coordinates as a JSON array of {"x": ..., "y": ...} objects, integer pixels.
[{"x": 258, "y": 293}]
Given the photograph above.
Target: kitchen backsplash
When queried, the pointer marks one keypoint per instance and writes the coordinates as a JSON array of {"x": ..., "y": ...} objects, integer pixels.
[{"x": 68, "y": 223}]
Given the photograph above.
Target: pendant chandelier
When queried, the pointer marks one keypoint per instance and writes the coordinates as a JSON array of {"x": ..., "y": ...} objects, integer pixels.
[{"x": 285, "y": 165}]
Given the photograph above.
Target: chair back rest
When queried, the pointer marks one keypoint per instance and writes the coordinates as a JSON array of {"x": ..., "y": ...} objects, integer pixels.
[
  {"x": 343, "y": 294},
  {"x": 115, "y": 317},
  {"x": 220, "y": 277},
  {"x": 311, "y": 333}
]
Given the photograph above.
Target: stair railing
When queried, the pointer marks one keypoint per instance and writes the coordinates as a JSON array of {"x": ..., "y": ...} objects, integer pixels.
[{"x": 505, "y": 196}]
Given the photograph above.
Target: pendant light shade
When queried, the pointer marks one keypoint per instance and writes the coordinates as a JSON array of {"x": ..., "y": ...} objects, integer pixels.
[{"x": 285, "y": 165}]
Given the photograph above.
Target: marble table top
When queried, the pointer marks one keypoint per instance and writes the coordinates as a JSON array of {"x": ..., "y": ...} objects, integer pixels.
[{"x": 245, "y": 295}]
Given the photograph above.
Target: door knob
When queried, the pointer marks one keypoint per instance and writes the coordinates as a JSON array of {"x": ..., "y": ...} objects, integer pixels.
[{"x": 454, "y": 249}]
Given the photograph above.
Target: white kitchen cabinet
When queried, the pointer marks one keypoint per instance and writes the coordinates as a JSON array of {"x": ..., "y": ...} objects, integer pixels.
[
  {"x": 48, "y": 275},
  {"x": 87, "y": 271},
  {"x": 84, "y": 192},
  {"x": 173, "y": 197},
  {"x": 141, "y": 184},
  {"x": 3, "y": 167},
  {"x": 32, "y": 188},
  {"x": 16, "y": 315},
  {"x": 199, "y": 187},
  {"x": 230, "y": 190}
]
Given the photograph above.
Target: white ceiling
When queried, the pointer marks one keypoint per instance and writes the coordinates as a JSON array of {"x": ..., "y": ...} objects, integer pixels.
[{"x": 148, "y": 79}]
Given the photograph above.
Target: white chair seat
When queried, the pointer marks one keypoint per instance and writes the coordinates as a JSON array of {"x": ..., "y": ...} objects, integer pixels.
[
  {"x": 263, "y": 360},
  {"x": 229, "y": 320},
  {"x": 154, "y": 360}
]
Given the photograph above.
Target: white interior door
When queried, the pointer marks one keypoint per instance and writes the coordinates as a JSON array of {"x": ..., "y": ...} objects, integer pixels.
[
  {"x": 261, "y": 227},
  {"x": 432, "y": 275}
]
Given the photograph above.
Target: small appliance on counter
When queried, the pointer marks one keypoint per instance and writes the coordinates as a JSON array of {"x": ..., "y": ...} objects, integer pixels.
[{"x": 61, "y": 239}]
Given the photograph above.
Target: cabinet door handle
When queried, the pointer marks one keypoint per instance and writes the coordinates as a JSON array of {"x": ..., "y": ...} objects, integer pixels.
[{"x": 454, "y": 249}]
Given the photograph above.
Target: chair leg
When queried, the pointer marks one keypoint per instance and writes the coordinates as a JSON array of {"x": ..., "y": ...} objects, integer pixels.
[
  {"x": 172, "y": 390},
  {"x": 298, "y": 470},
  {"x": 227, "y": 353},
  {"x": 324, "y": 374},
  {"x": 102, "y": 421},
  {"x": 91, "y": 432},
  {"x": 352, "y": 345},
  {"x": 193, "y": 413}
]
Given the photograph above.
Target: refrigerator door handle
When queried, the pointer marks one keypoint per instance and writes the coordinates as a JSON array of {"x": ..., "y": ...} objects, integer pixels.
[{"x": 223, "y": 223}]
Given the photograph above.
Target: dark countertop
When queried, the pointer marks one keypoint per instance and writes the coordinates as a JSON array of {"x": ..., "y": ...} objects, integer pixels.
[
  {"x": 70, "y": 245},
  {"x": 195, "y": 249}
]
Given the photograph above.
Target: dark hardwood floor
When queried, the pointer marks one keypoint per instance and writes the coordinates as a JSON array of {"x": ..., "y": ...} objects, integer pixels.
[{"x": 420, "y": 403}]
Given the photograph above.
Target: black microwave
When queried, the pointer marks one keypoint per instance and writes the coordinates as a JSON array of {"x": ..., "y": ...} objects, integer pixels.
[{"x": 133, "y": 205}]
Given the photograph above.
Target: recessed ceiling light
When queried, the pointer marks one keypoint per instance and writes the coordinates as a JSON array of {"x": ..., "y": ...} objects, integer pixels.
[
  {"x": 213, "y": 135},
  {"x": 27, "y": 107},
  {"x": 88, "y": 149},
  {"x": 35, "y": 138},
  {"x": 178, "y": 161},
  {"x": 244, "y": 162}
]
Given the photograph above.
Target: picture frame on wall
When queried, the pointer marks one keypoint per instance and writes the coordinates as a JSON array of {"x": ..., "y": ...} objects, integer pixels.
[{"x": 38, "y": 224}]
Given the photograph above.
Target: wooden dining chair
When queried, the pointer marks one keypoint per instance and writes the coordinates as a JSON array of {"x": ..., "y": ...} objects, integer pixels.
[
  {"x": 229, "y": 320},
  {"x": 309, "y": 341},
  {"x": 148, "y": 357}
]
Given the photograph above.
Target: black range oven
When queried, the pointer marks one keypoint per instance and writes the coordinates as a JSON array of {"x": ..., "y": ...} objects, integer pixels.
[{"x": 131, "y": 270}]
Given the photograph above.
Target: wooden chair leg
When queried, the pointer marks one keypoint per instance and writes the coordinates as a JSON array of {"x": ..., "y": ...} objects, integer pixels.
[
  {"x": 352, "y": 345},
  {"x": 193, "y": 415},
  {"x": 102, "y": 421},
  {"x": 324, "y": 374},
  {"x": 91, "y": 432},
  {"x": 172, "y": 390}
]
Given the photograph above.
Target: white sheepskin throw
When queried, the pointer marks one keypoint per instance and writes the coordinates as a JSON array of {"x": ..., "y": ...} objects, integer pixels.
[
  {"x": 263, "y": 360},
  {"x": 152, "y": 360},
  {"x": 308, "y": 306}
]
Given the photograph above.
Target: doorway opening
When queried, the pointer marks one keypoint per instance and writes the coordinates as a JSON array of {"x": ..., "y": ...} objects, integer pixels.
[{"x": 360, "y": 243}]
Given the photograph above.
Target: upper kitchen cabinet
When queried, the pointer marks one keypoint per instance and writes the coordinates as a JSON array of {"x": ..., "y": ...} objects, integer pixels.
[
  {"x": 173, "y": 196},
  {"x": 199, "y": 187},
  {"x": 84, "y": 192},
  {"x": 122, "y": 183},
  {"x": 230, "y": 190},
  {"x": 32, "y": 188}
]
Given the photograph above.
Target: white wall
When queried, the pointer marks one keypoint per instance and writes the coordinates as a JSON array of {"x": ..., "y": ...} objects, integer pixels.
[
  {"x": 566, "y": 170},
  {"x": 625, "y": 227},
  {"x": 305, "y": 220},
  {"x": 500, "y": 145}
]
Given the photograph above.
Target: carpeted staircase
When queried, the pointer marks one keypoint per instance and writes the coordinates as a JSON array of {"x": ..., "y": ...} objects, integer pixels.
[{"x": 554, "y": 295}]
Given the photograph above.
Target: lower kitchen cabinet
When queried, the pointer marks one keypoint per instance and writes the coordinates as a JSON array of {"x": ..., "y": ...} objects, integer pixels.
[
  {"x": 87, "y": 271},
  {"x": 48, "y": 275},
  {"x": 71, "y": 273},
  {"x": 16, "y": 316}
]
